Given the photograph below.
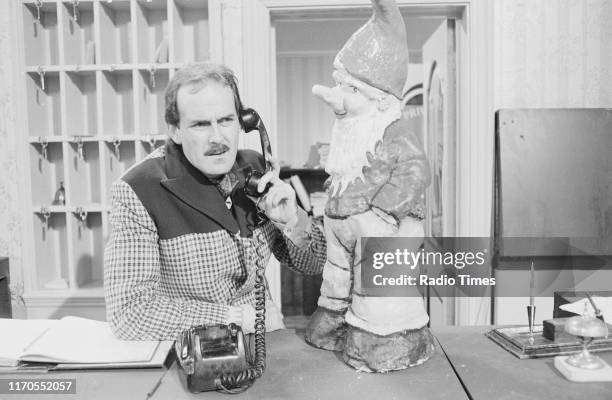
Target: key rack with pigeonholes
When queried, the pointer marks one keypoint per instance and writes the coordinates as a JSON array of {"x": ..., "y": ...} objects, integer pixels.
[{"x": 95, "y": 74}]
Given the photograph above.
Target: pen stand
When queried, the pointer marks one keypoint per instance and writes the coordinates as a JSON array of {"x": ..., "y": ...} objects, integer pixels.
[
  {"x": 584, "y": 366},
  {"x": 531, "y": 310}
]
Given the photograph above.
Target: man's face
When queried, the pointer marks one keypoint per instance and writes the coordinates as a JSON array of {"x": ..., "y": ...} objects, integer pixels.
[{"x": 208, "y": 128}]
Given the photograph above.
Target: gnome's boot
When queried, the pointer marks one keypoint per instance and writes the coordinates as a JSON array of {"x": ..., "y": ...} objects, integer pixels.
[
  {"x": 386, "y": 333},
  {"x": 368, "y": 352},
  {"x": 327, "y": 327}
]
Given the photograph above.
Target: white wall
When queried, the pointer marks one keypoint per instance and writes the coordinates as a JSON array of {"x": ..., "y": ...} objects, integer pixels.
[
  {"x": 330, "y": 33},
  {"x": 10, "y": 138},
  {"x": 553, "y": 53},
  {"x": 303, "y": 120}
]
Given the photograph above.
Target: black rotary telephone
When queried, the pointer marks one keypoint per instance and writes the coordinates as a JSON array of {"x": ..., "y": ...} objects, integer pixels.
[
  {"x": 217, "y": 357},
  {"x": 250, "y": 121}
]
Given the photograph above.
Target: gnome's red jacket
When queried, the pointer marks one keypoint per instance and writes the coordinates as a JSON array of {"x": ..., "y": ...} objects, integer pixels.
[{"x": 394, "y": 181}]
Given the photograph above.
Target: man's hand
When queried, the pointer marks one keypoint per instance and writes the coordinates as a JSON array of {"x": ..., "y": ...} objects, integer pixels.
[
  {"x": 243, "y": 315},
  {"x": 279, "y": 202}
]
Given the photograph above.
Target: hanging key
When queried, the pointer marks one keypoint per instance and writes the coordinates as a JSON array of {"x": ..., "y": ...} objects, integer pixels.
[
  {"x": 38, "y": 4},
  {"x": 79, "y": 143},
  {"x": 43, "y": 146},
  {"x": 82, "y": 215},
  {"x": 75, "y": 10},
  {"x": 152, "y": 76},
  {"x": 46, "y": 214},
  {"x": 151, "y": 143},
  {"x": 117, "y": 143},
  {"x": 41, "y": 74}
]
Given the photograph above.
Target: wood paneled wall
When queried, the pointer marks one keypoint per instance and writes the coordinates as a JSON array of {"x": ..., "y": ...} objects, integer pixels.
[
  {"x": 10, "y": 136},
  {"x": 553, "y": 53}
]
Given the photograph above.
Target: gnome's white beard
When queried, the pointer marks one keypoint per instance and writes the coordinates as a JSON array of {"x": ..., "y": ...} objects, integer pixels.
[{"x": 352, "y": 138}]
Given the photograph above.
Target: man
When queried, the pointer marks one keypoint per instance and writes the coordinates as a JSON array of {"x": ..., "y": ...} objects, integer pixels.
[
  {"x": 186, "y": 240},
  {"x": 378, "y": 173}
]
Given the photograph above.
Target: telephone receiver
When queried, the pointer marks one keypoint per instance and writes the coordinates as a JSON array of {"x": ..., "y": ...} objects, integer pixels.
[{"x": 251, "y": 121}]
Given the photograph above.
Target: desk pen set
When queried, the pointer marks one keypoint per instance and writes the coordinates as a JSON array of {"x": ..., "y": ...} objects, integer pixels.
[{"x": 571, "y": 340}]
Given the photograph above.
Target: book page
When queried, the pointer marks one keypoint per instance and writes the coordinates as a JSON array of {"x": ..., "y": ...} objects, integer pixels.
[
  {"x": 80, "y": 340},
  {"x": 157, "y": 361},
  {"x": 17, "y": 334},
  {"x": 604, "y": 304}
]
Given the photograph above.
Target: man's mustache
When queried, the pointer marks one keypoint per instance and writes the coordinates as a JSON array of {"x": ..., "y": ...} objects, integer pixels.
[{"x": 216, "y": 149}]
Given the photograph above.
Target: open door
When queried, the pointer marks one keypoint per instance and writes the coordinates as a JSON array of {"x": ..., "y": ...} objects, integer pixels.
[{"x": 440, "y": 132}]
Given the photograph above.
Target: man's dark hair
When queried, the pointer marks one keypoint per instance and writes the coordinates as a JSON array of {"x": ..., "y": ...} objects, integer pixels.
[{"x": 197, "y": 75}]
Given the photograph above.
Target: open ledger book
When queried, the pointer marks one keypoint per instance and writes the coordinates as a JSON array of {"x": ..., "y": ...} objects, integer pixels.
[{"x": 75, "y": 343}]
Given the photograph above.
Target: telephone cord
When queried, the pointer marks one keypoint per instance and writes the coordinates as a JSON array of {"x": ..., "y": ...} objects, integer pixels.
[{"x": 238, "y": 383}]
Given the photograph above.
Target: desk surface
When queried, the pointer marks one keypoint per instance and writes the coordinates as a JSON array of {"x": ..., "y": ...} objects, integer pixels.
[
  {"x": 294, "y": 370},
  {"x": 490, "y": 372},
  {"x": 297, "y": 371},
  {"x": 133, "y": 384}
]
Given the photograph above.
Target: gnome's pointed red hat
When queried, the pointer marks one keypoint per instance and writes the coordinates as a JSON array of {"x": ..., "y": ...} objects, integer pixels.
[{"x": 377, "y": 53}]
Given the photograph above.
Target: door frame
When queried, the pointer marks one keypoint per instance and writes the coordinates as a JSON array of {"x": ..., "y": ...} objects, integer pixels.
[{"x": 475, "y": 111}]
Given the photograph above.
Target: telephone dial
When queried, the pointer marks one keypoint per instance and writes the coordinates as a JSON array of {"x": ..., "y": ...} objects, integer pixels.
[{"x": 217, "y": 357}]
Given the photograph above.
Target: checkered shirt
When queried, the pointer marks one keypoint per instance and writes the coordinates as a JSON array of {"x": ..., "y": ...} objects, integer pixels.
[{"x": 156, "y": 288}]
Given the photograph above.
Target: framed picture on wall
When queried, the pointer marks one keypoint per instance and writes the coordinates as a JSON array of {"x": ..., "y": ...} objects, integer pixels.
[{"x": 553, "y": 187}]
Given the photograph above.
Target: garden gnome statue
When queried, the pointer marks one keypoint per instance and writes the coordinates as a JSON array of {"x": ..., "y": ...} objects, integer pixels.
[{"x": 378, "y": 174}]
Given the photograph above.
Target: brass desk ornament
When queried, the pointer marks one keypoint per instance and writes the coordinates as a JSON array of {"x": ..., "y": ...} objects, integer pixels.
[
  {"x": 586, "y": 328},
  {"x": 584, "y": 366}
]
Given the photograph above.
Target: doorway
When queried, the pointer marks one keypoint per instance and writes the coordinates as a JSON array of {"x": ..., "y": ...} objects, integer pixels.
[{"x": 306, "y": 43}]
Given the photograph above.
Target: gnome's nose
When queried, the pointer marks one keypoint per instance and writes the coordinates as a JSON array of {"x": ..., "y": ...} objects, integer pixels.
[{"x": 332, "y": 97}]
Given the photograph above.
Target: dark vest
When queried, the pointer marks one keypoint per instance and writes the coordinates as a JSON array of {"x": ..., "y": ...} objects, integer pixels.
[{"x": 181, "y": 200}]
